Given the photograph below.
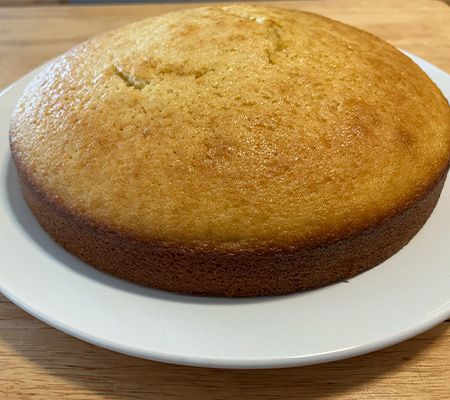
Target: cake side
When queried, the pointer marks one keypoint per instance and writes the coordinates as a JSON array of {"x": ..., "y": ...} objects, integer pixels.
[{"x": 236, "y": 273}]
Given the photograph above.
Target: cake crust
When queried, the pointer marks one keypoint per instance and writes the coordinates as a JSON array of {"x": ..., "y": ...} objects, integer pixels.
[
  {"x": 232, "y": 151},
  {"x": 237, "y": 273}
]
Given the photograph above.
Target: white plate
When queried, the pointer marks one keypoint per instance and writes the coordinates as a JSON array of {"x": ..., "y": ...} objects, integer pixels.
[{"x": 402, "y": 297}]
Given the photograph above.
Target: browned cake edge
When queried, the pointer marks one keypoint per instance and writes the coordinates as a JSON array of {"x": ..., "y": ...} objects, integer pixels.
[{"x": 236, "y": 273}]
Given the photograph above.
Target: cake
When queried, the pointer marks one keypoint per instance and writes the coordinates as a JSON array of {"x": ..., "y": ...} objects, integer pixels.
[{"x": 232, "y": 150}]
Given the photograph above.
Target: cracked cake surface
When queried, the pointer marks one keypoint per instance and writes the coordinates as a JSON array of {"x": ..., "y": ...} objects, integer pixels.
[{"x": 232, "y": 128}]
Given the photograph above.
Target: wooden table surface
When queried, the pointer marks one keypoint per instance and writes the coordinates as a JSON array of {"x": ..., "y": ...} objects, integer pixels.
[{"x": 38, "y": 362}]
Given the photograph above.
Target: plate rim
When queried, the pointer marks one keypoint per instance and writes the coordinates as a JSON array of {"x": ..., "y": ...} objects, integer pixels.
[{"x": 234, "y": 363}]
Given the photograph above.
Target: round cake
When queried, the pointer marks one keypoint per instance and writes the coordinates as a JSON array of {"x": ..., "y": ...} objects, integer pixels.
[{"x": 232, "y": 151}]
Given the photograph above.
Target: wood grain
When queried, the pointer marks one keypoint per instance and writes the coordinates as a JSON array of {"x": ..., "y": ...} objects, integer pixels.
[
  {"x": 38, "y": 362},
  {"x": 20, "y": 3},
  {"x": 42, "y": 363}
]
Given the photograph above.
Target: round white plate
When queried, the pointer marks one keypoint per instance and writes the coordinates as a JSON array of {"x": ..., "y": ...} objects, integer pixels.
[{"x": 400, "y": 298}]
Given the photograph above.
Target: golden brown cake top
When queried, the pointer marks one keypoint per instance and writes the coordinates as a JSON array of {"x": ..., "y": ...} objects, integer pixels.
[{"x": 237, "y": 127}]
